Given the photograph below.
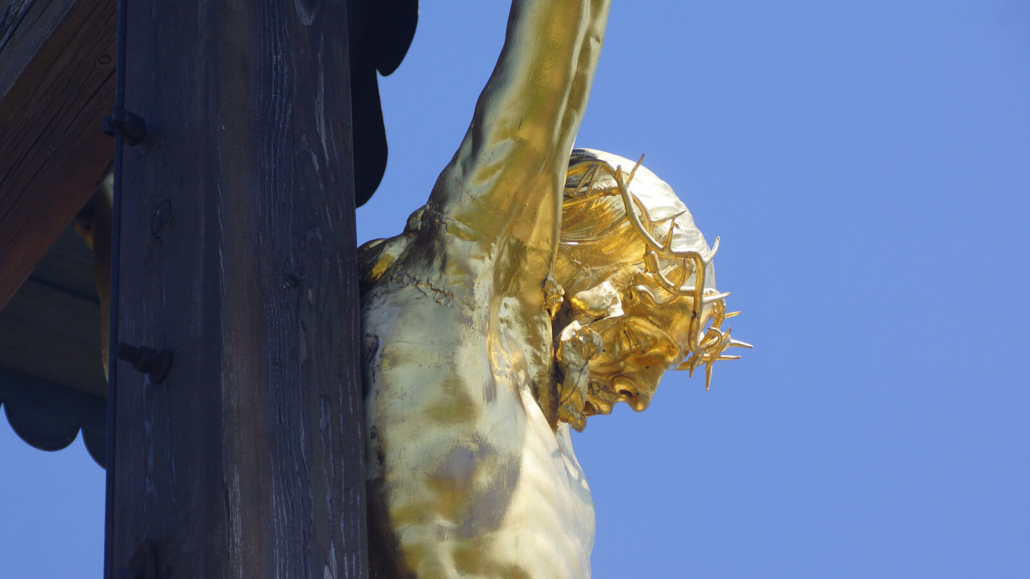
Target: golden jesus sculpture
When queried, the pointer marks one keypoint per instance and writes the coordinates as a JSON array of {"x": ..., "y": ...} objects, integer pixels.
[{"x": 537, "y": 287}]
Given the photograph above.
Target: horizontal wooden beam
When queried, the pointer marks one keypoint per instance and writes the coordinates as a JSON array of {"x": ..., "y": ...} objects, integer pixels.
[{"x": 56, "y": 86}]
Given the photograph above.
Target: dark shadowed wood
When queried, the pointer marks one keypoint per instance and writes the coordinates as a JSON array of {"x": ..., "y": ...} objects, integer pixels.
[
  {"x": 49, "y": 416},
  {"x": 50, "y": 328},
  {"x": 248, "y": 460},
  {"x": 56, "y": 85},
  {"x": 53, "y": 335}
]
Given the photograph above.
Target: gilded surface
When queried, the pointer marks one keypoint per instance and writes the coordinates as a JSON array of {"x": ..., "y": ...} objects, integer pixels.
[{"x": 536, "y": 288}]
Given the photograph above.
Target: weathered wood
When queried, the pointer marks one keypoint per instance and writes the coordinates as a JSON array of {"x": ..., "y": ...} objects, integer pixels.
[
  {"x": 55, "y": 336},
  {"x": 56, "y": 85},
  {"x": 49, "y": 416},
  {"x": 50, "y": 328},
  {"x": 248, "y": 460}
]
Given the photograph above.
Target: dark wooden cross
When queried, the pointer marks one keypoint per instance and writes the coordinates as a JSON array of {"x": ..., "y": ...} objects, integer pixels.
[{"x": 237, "y": 256}]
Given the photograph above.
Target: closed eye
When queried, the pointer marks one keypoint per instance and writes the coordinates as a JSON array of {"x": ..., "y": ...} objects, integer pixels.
[
  {"x": 645, "y": 337},
  {"x": 640, "y": 341}
]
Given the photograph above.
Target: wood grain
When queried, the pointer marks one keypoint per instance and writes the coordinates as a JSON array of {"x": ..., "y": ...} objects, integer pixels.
[
  {"x": 56, "y": 85},
  {"x": 248, "y": 460}
]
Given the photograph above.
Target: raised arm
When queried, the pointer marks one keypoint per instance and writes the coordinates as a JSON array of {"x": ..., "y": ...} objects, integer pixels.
[{"x": 504, "y": 184}]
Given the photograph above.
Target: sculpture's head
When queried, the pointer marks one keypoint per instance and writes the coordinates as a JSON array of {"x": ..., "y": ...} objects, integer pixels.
[{"x": 638, "y": 278}]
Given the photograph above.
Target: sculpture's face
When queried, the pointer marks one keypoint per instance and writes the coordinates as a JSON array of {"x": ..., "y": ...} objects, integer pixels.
[
  {"x": 639, "y": 346},
  {"x": 615, "y": 222}
]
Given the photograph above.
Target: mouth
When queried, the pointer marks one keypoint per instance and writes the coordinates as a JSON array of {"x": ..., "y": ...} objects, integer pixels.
[{"x": 600, "y": 399}]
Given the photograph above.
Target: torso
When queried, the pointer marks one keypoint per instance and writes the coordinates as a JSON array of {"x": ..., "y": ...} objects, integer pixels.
[{"x": 466, "y": 477}]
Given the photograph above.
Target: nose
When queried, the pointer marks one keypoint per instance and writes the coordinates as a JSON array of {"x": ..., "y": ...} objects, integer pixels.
[{"x": 631, "y": 394}]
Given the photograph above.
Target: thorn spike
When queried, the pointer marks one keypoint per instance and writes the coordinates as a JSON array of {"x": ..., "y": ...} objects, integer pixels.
[
  {"x": 714, "y": 297},
  {"x": 634, "y": 171}
]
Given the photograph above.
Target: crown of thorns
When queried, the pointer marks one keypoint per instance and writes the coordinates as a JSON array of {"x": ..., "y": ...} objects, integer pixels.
[{"x": 705, "y": 346}]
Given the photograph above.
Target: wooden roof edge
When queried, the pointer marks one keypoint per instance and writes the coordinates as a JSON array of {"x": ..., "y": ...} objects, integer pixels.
[{"x": 50, "y": 417}]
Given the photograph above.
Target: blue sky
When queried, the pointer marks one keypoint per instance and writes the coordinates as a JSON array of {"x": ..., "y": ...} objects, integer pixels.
[{"x": 867, "y": 166}]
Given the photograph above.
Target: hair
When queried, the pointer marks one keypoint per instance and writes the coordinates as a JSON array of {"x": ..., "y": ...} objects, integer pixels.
[{"x": 598, "y": 240}]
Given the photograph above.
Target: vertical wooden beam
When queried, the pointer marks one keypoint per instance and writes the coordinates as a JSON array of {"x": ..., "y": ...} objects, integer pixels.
[
  {"x": 56, "y": 85},
  {"x": 238, "y": 252}
]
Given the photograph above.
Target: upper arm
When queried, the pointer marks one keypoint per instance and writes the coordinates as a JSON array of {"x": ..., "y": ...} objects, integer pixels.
[{"x": 506, "y": 178}]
